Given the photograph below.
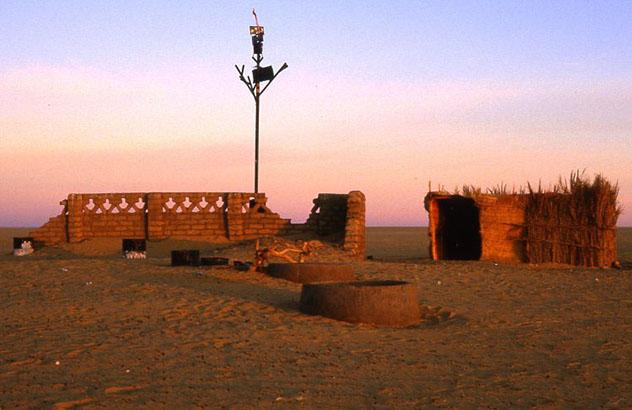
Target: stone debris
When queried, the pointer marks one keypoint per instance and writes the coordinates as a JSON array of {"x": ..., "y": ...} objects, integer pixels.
[
  {"x": 135, "y": 255},
  {"x": 25, "y": 249},
  {"x": 435, "y": 314},
  {"x": 63, "y": 405}
]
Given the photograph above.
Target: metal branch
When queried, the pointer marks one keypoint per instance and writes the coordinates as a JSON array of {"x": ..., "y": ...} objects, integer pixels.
[
  {"x": 283, "y": 67},
  {"x": 247, "y": 82}
]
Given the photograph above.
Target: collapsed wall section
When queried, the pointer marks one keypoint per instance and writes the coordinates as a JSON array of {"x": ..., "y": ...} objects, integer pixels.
[
  {"x": 328, "y": 215},
  {"x": 52, "y": 232},
  {"x": 342, "y": 217}
]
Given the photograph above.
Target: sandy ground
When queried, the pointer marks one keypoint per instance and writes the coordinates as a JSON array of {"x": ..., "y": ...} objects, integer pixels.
[{"x": 82, "y": 327}]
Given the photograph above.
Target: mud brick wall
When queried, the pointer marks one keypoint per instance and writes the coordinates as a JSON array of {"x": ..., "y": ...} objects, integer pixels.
[
  {"x": 212, "y": 216},
  {"x": 249, "y": 217},
  {"x": 182, "y": 215},
  {"x": 112, "y": 215},
  {"x": 355, "y": 225}
]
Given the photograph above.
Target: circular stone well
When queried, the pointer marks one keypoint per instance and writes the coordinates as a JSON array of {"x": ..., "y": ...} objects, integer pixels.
[
  {"x": 379, "y": 302},
  {"x": 312, "y": 272}
]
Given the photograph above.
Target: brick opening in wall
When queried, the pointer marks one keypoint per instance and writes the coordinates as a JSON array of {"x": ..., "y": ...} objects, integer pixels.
[
  {"x": 252, "y": 204},
  {"x": 458, "y": 234}
]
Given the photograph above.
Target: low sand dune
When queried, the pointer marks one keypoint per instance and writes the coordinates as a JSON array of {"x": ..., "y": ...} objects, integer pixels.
[{"x": 82, "y": 327}]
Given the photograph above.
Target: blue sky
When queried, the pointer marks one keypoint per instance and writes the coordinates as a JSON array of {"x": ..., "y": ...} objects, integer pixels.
[{"x": 398, "y": 39}]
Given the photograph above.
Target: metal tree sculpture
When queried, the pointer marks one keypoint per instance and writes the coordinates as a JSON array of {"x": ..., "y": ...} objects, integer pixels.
[{"x": 259, "y": 75}]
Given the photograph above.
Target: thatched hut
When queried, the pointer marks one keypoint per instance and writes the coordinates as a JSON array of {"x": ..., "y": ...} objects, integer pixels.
[{"x": 574, "y": 223}]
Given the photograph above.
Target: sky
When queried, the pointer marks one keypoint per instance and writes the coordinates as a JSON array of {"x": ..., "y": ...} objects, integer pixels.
[{"x": 386, "y": 97}]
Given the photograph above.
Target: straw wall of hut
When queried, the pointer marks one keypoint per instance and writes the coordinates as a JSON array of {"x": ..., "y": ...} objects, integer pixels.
[{"x": 575, "y": 224}]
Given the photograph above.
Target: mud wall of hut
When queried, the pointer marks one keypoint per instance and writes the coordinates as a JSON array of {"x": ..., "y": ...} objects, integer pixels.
[
  {"x": 212, "y": 216},
  {"x": 577, "y": 228},
  {"x": 502, "y": 221},
  {"x": 431, "y": 205}
]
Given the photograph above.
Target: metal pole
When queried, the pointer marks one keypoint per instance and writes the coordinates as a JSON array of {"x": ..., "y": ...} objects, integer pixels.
[
  {"x": 257, "y": 139},
  {"x": 254, "y": 85},
  {"x": 257, "y": 100}
]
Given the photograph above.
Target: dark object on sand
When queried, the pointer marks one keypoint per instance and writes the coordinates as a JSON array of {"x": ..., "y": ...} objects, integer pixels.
[
  {"x": 312, "y": 272},
  {"x": 134, "y": 245},
  {"x": 213, "y": 261},
  {"x": 385, "y": 303},
  {"x": 242, "y": 266},
  {"x": 185, "y": 258}
]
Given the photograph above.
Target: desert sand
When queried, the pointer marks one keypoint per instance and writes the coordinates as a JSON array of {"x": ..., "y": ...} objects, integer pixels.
[{"x": 82, "y": 327}]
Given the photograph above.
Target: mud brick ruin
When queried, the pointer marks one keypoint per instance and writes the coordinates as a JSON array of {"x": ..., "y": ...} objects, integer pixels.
[{"x": 210, "y": 216}]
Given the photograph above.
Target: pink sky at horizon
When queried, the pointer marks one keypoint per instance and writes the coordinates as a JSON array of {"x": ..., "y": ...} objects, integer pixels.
[{"x": 79, "y": 129}]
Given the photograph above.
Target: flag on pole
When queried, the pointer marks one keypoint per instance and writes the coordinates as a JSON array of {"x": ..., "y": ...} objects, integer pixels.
[{"x": 256, "y": 19}]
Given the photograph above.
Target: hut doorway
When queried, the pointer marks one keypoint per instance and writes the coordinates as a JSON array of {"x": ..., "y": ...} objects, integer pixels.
[{"x": 459, "y": 232}]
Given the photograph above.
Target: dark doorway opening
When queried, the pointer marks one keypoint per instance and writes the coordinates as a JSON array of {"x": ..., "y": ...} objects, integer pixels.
[{"x": 459, "y": 231}]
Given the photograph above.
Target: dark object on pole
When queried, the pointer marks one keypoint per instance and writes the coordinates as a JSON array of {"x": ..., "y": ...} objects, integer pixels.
[
  {"x": 259, "y": 75},
  {"x": 185, "y": 258},
  {"x": 262, "y": 74},
  {"x": 257, "y": 43},
  {"x": 257, "y": 47}
]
